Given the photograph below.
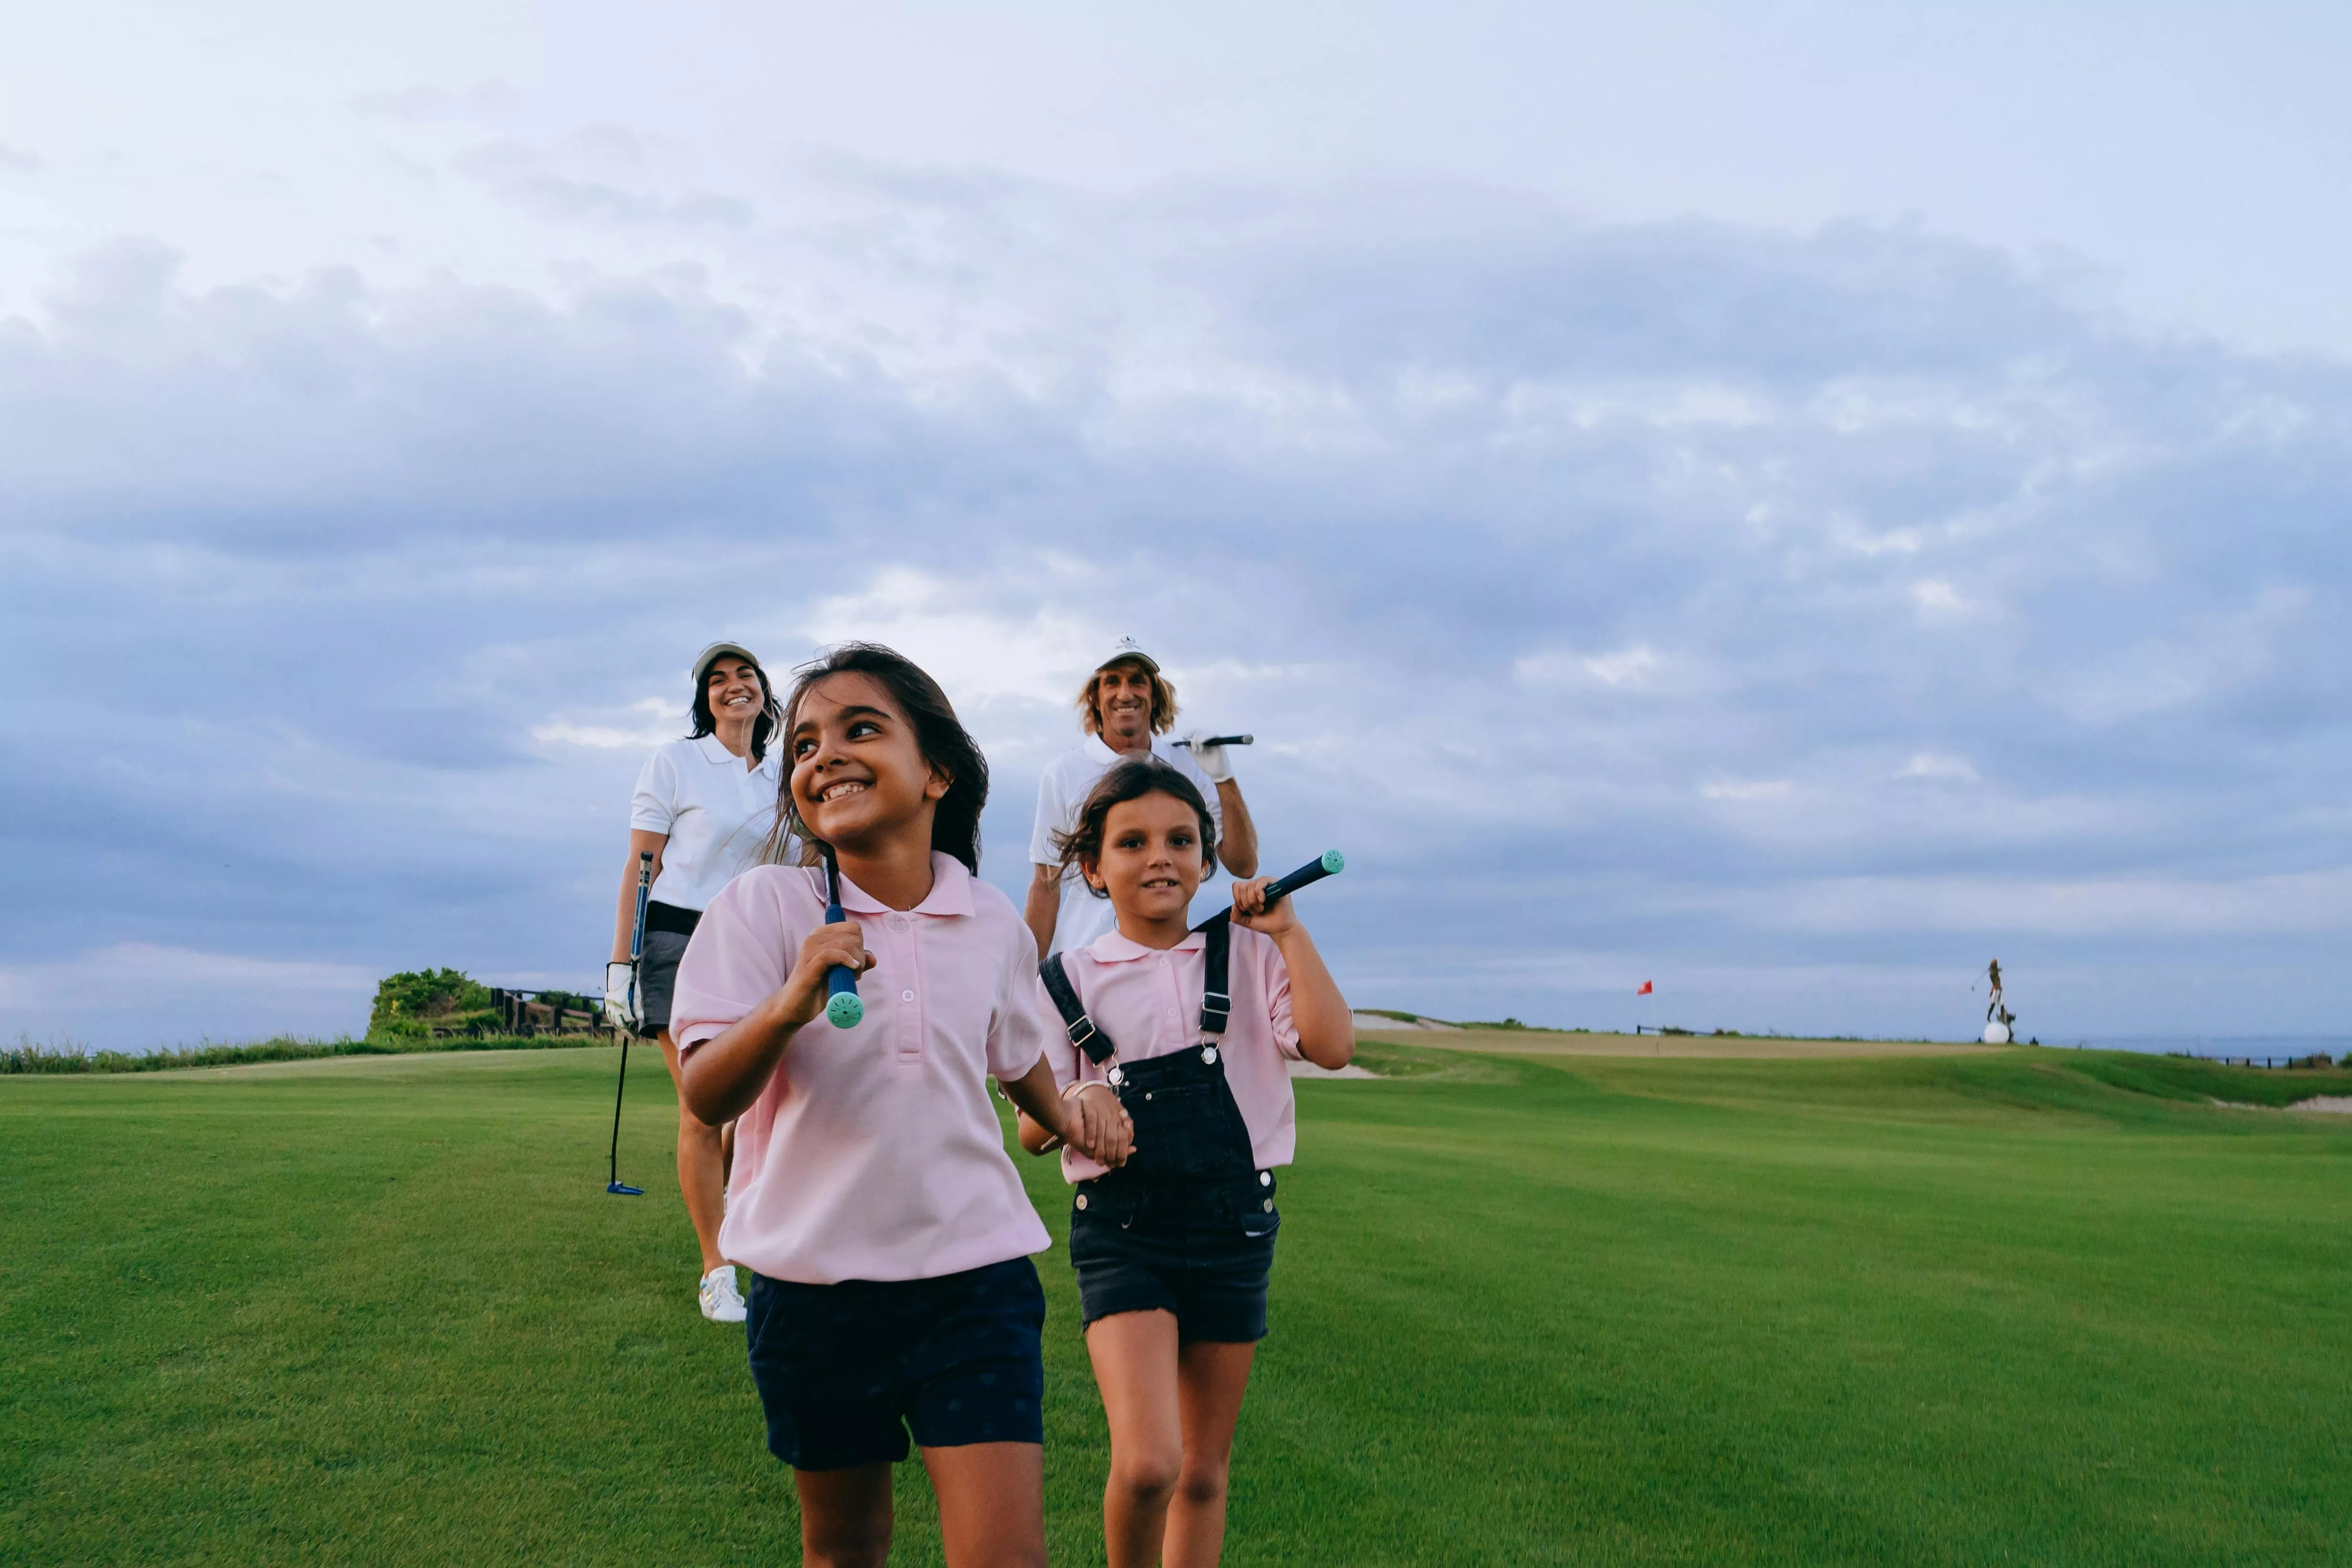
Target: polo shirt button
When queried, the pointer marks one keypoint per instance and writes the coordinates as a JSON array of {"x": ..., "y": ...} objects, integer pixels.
[
  {"x": 1269, "y": 1206},
  {"x": 905, "y": 996},
  {"x": 1265, "y": 1179}
]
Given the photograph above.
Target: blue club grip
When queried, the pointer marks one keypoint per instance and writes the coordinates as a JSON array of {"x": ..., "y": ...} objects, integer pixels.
[
  {"x": 842, "y": 1007},
  {"x": 1329, "y": 863}
]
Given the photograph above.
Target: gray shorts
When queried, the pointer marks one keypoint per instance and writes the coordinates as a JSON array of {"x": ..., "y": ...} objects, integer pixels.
[{"x": 656, "y": 978}]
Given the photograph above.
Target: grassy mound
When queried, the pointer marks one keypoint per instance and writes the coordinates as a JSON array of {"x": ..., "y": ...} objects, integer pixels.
[{"x": 1937, "y": 1311}]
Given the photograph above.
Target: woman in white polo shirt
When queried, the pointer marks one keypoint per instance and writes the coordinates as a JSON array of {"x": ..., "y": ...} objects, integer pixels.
[{"x": 703, "y": 808}]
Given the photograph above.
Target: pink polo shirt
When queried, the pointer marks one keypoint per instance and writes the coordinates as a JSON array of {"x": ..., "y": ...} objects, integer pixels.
[
  {"x": 873, "y": 1153},
  {"x": 1148, "y": 1002}
]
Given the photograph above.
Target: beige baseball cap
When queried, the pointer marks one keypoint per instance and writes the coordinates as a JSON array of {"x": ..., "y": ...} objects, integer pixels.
[
  {"x": 1127, "y": 648},
  {"x": 718, "y": 650}
]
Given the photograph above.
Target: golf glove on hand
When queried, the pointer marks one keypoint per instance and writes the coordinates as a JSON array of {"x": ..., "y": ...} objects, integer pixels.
[
  {"x": 618, "y": 984},
  {"x": 1211, "y": 759}
]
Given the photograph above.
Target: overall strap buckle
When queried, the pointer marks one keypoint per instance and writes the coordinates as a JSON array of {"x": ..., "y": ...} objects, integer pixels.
[
  {"x": 1216, "y": 1003},
  {"x": 1075, "y": 1023}
]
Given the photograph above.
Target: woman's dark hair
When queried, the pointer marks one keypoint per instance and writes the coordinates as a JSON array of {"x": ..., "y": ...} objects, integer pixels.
[
  {"x": 940, "y": 735},
  {"x": 1130, "y": 780},
  {"x": 770, "y": 719}
]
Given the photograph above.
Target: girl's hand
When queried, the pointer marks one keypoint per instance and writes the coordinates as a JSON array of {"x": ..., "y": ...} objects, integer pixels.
[
  {"x": 1251, "y": 913},
  {"x": 803, "y": 994},
  {"x": 1101, "y": 1127}
]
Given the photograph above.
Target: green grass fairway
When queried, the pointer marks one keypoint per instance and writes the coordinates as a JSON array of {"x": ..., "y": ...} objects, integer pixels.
[{"x": 2018, "y": 1307}]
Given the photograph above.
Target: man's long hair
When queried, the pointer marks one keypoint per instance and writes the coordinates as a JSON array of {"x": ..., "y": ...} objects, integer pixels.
[{"x": 1163, "y": 700}]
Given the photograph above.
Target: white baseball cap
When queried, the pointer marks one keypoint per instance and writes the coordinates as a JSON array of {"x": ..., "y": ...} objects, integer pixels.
[
  {"x": 718, "y": 650},
  {"x": 1128, "y": 648}
]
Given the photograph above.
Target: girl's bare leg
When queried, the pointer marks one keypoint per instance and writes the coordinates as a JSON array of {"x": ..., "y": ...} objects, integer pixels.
[
  {"x": 845, "y": 1517},
  {"x": 1210, "y": 1381},
  {"x": 991, "y": 1503},
  {"x": 1136, "y": 1368},
  {"x": 701, "y": 1167}
]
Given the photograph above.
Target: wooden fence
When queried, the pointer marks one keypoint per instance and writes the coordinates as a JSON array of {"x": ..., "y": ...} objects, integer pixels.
[{"x": 524, "y": 1013}]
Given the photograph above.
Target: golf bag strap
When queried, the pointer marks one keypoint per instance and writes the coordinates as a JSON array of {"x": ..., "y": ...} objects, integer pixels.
[
  {"x": 1075, "y": 1022},
  {"x": 1217, "y": 1005}
]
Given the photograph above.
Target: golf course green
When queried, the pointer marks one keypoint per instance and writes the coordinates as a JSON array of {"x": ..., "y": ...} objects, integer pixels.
[{"x": 2031, "y": 1307}]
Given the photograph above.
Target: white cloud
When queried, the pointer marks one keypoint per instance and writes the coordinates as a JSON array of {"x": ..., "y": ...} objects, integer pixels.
[
  {"x": 651, "y": 722},
  {"x": 1938, "y": 765},
  {"x": 1747, "y": 789}
]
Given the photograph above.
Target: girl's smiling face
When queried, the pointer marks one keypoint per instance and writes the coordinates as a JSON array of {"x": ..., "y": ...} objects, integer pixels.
[
  {"x": 858, "y": 771},
  {"x": 1151, "y": 862}
]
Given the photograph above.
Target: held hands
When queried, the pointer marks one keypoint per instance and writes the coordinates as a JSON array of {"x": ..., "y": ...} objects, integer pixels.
[
  {"x": 1251, "y": 914},
  {"x": 1098, "y": 1126},
  {"x": 803, "y": 994}
]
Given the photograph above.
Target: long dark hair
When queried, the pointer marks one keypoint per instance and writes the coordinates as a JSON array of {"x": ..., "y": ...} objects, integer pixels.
[
  {"x": 940, "y": 735},
  {"x": 1130, "y": 779},
  {"x": 763, "y": 727}
]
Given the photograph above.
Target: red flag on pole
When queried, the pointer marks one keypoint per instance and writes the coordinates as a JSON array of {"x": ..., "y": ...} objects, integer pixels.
[{"x": 1644, "y": 990}]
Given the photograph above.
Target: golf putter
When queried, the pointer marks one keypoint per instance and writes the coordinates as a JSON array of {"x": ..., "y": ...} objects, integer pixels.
[
  {"x": 842, "y": 1004},
  {"x": 1209, "y": 740},
  {"x": 614, "y": 1185}
]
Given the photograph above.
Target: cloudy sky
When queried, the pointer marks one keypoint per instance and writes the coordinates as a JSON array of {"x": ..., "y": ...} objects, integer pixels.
[{"x": 1787, "y": 501}]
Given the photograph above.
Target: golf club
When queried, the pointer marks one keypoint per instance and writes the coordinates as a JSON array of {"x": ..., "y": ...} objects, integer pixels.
[
  {"x": 614, "y": 1185},
  {"x": 842, "y": 1005},
  {"x": 1208, "y": 740},
  {"x": 1331, "y": 862}
]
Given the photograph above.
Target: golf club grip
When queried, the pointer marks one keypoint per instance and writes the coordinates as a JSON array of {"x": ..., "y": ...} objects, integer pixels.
[
  {"x": 1228, "y": 740},
  {"x": 843, "y": 1006},
  {"x": 1327, "y": 863}
]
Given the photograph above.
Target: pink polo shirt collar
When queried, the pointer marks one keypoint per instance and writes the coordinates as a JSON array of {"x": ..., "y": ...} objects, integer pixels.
[
  {"x": 1113, "y": 946},
  {"x": 951, "y": 893}
]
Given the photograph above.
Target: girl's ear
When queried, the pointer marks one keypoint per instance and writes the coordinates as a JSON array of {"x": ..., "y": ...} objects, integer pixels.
[
  {"x": 1092, "y": 871},
  {"x": 936, "y": 786}
]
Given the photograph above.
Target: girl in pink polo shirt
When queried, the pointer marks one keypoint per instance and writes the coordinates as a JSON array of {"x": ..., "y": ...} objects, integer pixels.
[
  {"x": 1172, "y": 1226},
  {"x": 887, "y": 1230}
]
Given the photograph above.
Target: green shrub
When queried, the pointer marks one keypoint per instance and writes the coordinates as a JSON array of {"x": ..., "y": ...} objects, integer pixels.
[{"x": 412, "y": 1004}]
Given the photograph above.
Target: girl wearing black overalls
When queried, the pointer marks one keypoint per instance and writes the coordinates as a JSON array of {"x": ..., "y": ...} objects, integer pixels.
[{"x": 1173, "y": 1228}]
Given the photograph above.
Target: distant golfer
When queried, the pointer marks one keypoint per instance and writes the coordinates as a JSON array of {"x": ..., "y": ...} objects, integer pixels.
[
  {"x": 1127, "y": 707},
  {"x": 702, "y": 809}
]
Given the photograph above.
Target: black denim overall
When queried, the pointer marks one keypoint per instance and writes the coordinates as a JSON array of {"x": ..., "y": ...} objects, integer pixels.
[{"x": 1192, "y": 1164}]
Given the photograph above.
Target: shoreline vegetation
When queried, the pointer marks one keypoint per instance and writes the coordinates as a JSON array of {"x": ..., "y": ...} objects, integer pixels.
[
  {"x": 415, "y": 1012},
  {"x": 29, "y": 1056}
]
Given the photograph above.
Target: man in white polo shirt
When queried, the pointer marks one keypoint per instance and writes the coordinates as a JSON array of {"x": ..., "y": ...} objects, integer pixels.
[{"x": 1127, "y": 707}]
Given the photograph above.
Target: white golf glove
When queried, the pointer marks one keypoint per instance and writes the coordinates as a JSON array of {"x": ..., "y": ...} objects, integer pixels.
[
  {"x": 1211, "y": 759},
  {"x": 619, "y": 982}
]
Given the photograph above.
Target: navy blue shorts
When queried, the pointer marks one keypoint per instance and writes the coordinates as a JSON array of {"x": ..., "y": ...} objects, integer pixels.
[
  {"x": 845, "y": 1370},
  {"x": 1209, "y": 1269}
]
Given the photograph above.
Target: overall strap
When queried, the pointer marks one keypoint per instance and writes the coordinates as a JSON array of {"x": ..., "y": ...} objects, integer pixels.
[
  {"x": 1075, "y": 1022},
  {"x": 1217, "y": 1004}
]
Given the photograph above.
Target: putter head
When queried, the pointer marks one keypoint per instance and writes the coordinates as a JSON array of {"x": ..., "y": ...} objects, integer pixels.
[{"x": 623, "y": 1189}]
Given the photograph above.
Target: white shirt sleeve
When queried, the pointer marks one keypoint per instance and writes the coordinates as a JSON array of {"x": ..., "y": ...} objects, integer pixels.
[
  {"x": 654, "y": 808},
  {"x": 1051, "y": 810}
]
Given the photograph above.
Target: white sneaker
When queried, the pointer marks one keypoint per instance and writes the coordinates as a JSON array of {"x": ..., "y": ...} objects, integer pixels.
[{"x": 721, "y": 1301}]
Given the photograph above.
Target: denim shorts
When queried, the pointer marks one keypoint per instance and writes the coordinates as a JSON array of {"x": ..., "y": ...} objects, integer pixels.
[
  {"x": 845, "y": 1370},
  {"x": 1208, "y": 1267}
]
